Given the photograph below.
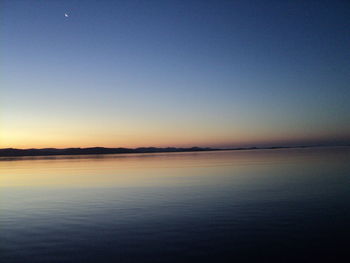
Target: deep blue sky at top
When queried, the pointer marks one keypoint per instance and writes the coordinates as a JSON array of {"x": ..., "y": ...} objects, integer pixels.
[{"x": 184, "y": 70}]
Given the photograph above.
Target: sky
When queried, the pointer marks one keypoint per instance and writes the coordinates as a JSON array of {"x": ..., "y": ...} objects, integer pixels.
[{"x": 173, "y": 73}]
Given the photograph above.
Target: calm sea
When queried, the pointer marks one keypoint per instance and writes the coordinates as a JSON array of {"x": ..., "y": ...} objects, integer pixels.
[{"x": 287, "y": 205}]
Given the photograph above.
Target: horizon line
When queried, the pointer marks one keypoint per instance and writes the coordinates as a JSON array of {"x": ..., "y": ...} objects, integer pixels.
[{"x": 15, "y": 152}]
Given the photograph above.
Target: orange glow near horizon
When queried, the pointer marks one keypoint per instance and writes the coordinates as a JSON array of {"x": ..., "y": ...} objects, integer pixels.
[
  {"x": 107, "y": 131},
  {"x": 159, "y": 139}
]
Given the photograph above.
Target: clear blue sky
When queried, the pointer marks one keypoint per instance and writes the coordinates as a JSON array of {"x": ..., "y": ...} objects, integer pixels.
[{"x": 175, "y": 73}]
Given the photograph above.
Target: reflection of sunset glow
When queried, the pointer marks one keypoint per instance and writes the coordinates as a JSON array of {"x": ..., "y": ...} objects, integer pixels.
[{"x": 145, "y": 169}]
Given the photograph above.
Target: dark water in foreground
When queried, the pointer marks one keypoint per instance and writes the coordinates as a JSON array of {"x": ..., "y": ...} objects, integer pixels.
[{"x": 235, "y": 206}]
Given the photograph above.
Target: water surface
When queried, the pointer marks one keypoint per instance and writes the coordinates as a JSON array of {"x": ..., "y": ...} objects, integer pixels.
[{"x": 230, "y": 206}]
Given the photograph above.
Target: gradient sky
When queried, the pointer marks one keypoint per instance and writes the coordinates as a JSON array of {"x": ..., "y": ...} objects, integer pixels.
[{"x": 174, "y": 73}]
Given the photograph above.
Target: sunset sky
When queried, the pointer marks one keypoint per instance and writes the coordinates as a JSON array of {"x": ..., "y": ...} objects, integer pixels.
[{"x": 174, "y": 73}]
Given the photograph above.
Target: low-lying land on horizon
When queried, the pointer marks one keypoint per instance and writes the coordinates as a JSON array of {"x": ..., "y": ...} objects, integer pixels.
[{"x": 13, "y": 152}]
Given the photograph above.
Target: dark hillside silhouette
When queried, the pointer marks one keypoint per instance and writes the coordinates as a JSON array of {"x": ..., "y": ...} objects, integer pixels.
[
  {"x": 12, "y": 152},
  {"x": 94, "y": 150}
]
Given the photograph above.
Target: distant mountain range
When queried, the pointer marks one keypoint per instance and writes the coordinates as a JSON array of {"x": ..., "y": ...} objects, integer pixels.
[
  {"x": 12, "y": 152},
  {"x": 94, "y": 150}
]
